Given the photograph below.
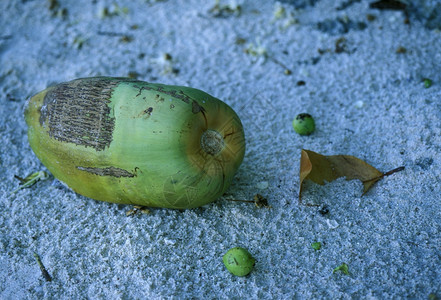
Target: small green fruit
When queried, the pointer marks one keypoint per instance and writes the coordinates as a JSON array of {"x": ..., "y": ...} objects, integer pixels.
[
  {"x": 239, "y": 261},
  {"x": 304, "y": 124},
  {"x": 126, "y": 141},
  {"x": 427, "y": 83}
]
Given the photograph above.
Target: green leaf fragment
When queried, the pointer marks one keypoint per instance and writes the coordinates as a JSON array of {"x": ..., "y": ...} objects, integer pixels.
[
  {"x": 432, "y": 296},
  {"x": 343, "y": 268},
  {"x": 30, "y": 180},
  {"x": 316, "y": 245}
]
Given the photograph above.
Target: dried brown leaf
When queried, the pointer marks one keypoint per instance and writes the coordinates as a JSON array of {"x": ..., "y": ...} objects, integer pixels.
[{"x": 320, "y": 169}]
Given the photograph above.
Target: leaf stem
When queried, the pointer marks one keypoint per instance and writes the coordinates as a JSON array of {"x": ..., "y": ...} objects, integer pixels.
[
  {"x": 394, "y": 171},
  {"x": 385, "y": 174}
]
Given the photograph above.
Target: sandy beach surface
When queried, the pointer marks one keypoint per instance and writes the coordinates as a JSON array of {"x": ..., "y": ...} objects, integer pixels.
[{"x": 371, "y": 79}]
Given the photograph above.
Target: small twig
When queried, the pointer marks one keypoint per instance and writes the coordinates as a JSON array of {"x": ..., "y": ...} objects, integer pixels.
[
  {"x": 42, "y": 268},
  {"x": 309, "y": 204},
  {"x": 110, "y": 33},
  {"x": 237, "y": 200},
  {"x": 22, "y": 180},
  {"x": 259, "y": 201},
  {"x": 287, "y": 70},
  {"x": 388, "y": 4}
]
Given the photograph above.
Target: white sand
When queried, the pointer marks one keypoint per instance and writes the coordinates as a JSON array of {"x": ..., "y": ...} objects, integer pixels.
[{"x": 368, "y": 101}]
